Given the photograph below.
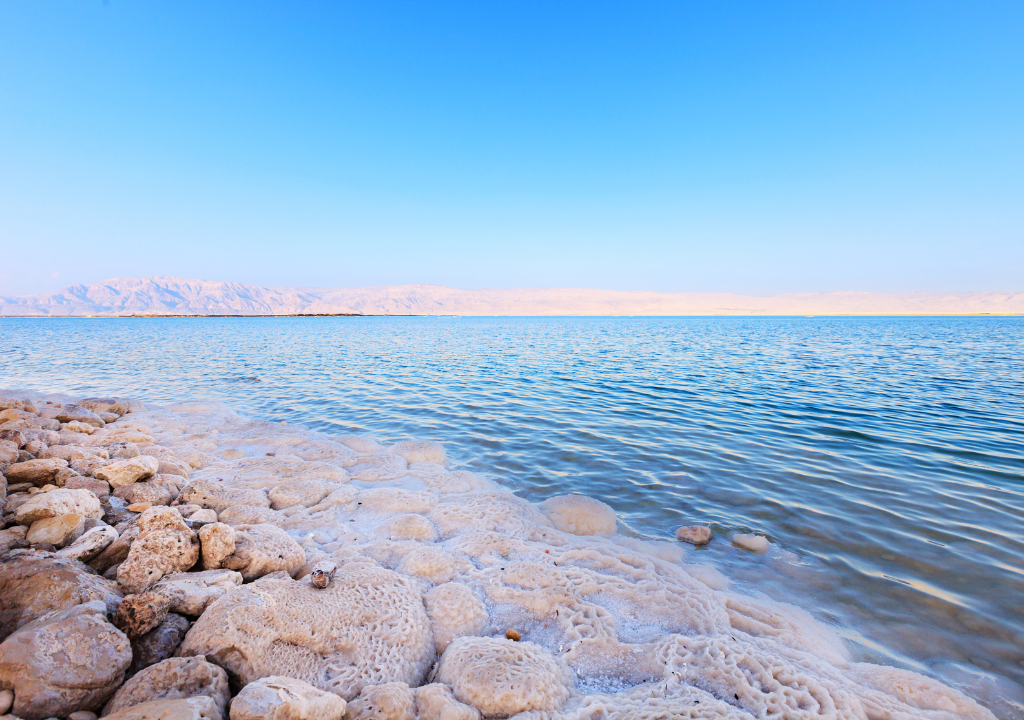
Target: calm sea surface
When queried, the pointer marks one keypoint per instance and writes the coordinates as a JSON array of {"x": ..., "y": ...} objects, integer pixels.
[{"x": 884, "y": 458}]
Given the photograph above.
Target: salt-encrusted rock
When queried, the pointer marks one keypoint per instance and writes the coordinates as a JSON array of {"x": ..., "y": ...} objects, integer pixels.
[
  {"x": 579, "y": 515},
  {"x": 695, "y": 534},
  {"x": 173, "y": 679},
  {"x": 144, "y": 492},
  {"x": 284, "y": 698},
  {"x": 159, "y": 643},
  {"x": 59, "y": 502},
  {"x": 104, "y": 405},
  {"x": 77, "y": 413},
  {"x": 501, "y": 677},
  {"x": 303, "y": 492},
  {"x": 249, "y": 515},
  {"x": 72, "y": 452},
  {"x": 99, "y": 488},
  {"x": 172, "y": 483},
  {"x": 68, "y": 660},
  {"x": 191, "y": 593},
  {"x": 436, "y": 702},
  {"x": 57, "y": 531},
  {"x": 173, "y": 466},
  {"x": 754, "y": 543},
  {"x": 90, "y": 544},
  {"x": 217, "y": 542},
  {"x": 219, "y": 497},
  {"x": 125, "y": 472},
  {"x": 80, "y": 427},
  {"x": 165, "y": 545},
  {"x": 203, "y": 515},
  {"x": 417, "y": 451},
  {"x": 193, "y": 708},
  {"x": 378, "y": 631},
  {"x": 394, "y": 701},
  {"x": 123, "y": 451},
  {"x": 263, "y": 549},
  {"x": 37, "y": 472},
  {"x": 454, "y": 610},
  {"x": 139, "y": 614},
  {"x": 34, "y": 584}
]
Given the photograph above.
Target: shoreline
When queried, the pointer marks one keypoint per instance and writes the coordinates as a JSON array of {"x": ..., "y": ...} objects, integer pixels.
[{"x": 604, "y": 620}]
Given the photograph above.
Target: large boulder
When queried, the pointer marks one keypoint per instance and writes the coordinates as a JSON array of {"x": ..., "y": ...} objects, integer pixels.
[
  {"x": 33, "y": 584},
  {"x": 394, "y": 701},
  {"x": 57, "y": 531},
  {"x": 125, "y": 472},
  {"x": 49, "y": 471},
  {"x": 365, "y": 628},
  {"x": 284, "y": 698},
  {"x": 104, "y": 405},
  {"x": 165, "y": 545},
  {"x": 64, "y": 661},
  {"x": 59, "y": 502},
  {"x": 173, "y": 679}
]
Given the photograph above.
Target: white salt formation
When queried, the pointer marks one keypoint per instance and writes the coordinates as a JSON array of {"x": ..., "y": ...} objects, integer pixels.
[{"x": 314, "y": 572}]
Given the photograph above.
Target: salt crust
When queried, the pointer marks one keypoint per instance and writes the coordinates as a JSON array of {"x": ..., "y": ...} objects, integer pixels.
[{"x": 611, "y": 627}]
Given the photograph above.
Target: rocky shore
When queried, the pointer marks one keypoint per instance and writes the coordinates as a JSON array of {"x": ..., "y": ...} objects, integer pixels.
[{"x": 188, "y": 562}]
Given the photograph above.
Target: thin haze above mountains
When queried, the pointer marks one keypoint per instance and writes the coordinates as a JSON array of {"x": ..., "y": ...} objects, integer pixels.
[{"x": 182, "y": 296}]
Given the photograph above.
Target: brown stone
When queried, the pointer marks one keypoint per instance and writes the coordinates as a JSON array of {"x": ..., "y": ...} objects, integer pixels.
[
  {"x": 32, "y": 584},
  {"x": 139, "y": 614},
  {"x": 65, "y": 661},
  {"x": 37, "y": 472},
  {"x": 99, "y": 488},
  {"x": 160, "y": 643},
  {"x": 173, "y": 679},
  {"x": 696, "y": 534}
]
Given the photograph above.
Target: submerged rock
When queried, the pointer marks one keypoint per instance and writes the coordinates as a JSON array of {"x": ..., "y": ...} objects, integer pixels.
[
  {"x": 284, "y": 698},
  {"x": 754, "y": 543},
  {"x": 579, "y": 515},
  {"x": 695, "y": 534},
  {"x": 64, "y": 661}
]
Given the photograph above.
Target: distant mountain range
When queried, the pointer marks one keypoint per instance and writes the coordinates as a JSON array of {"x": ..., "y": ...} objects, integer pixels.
[{"x": 182, "y": 296}]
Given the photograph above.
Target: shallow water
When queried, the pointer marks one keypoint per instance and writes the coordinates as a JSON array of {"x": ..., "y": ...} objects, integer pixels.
[{"x": 883, "y": 457}]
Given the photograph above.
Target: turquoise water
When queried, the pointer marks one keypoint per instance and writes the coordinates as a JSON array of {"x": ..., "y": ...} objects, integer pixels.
[{"x": 883, "y": 457}]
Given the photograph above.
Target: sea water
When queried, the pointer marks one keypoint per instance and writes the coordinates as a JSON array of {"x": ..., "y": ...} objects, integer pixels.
[{"x": 882, "y": 457}]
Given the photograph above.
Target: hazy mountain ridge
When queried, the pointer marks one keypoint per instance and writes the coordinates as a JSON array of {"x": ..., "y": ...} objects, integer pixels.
[{"x": 162, "y": 295}]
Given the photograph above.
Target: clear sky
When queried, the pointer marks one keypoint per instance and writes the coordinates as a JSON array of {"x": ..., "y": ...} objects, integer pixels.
[{"x": 752, "y": 147}]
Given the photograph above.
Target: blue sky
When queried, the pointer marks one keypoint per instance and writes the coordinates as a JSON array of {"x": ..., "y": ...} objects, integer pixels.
[{"x": 751, "y": 147}]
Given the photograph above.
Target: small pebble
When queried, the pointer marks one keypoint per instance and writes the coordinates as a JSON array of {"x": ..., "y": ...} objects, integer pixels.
[
  {"x": 6, "y": 700},
  {"x": 512, "y": 634},
  {"x": 323, "y": 573},
  {"x": 696, "y": 534}
]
